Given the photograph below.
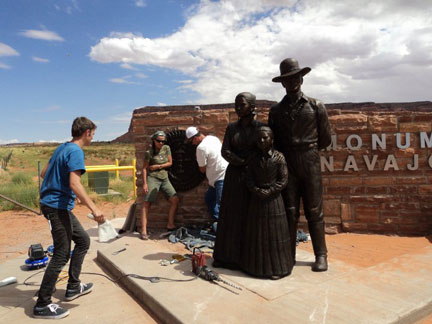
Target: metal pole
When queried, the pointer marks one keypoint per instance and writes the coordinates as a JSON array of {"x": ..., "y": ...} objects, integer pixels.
[
  {"x": 117, "y": 171},
  {"x": 134, "y": 178},
  {"x": 39, "y": 183},
  {"x": 19, "y": 204}
]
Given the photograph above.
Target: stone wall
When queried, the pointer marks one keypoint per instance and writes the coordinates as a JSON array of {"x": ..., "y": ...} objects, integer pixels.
[{"x": 376, "y": 177}]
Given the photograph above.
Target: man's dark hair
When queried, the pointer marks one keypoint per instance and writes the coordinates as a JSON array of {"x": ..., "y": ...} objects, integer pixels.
[{"x": 80, "y": 125}]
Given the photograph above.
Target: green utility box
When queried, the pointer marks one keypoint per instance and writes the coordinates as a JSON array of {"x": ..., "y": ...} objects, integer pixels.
[{"x": 98, "y": 181}]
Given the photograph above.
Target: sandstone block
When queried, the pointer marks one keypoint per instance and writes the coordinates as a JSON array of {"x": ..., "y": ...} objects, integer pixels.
[
  {"x": 347, "y": 181},
  {"x": 425, "y": 189},
  {"x": 382, "y": 228},
  {"x": 331, "y": 207},
  {"x": 216, "y": 118},
  {"x": 382, "y": 123},
  {"x": 354, "y": 227},
  {"x": 415, "y": 127},
  {"x": 348, "y": 119},
  {"x": 377, "y": 181}
]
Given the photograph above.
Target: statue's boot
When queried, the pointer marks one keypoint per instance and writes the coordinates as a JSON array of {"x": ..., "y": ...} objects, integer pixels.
[{"x": 317, "y": 233}]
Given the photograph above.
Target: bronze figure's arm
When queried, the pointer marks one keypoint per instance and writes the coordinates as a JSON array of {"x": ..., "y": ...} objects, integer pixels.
[
  {"x": 227, "y": 152},
  {"x": 324, "y": 135}
]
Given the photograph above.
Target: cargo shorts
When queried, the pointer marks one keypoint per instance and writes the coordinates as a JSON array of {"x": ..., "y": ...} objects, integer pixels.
[{"x": 155, "y": 184}]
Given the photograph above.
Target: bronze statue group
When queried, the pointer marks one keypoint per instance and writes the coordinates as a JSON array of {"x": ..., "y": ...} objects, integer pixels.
[{"x": 270, "y": 169}]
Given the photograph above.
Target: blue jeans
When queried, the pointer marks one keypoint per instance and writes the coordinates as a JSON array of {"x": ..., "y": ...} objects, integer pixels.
[
  {"x": 213, "y": 198},
  {"x": 65, "y": 228}
]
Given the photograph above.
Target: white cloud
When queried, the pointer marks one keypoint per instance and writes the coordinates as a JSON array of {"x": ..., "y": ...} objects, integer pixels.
[
  {"x": 127, "y": 66},
  {"x": 184, "y": 81},
  {"x": 42, "y": 34},
  {"x": 53, "y": 141},
  {"x": 6, "y": 50},
  {"x": 161, "y": 104},
  {"x": 140, "y": 75},
  {"x": 122, "y": 80},
  {"x": 68, "y": 7},
  {"x": 127, "y": 79},
  {"x": 140, "y": 3},
  {"x": 40, "y": 59},
  {"x": 118, "y": 80},
  {"x": 4, "y": 66},
  {"x": 11, "y": 141},
  {"x": 358, "y": 50}
]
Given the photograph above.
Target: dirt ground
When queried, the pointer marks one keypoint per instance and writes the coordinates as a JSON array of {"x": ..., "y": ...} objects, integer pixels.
[{"x": 19, "y": 229}]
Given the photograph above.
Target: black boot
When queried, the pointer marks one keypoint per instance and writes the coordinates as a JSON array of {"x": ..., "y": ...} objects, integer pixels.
[
  {"x": 320, "y": 263},
  {"x": 317, "y": 233}
]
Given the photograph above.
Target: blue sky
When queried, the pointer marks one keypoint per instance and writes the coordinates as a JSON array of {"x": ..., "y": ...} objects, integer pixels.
[{"x": 104, "y": 58}]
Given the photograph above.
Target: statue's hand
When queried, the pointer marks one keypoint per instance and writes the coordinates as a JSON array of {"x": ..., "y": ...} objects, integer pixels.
[{"x": 263, "y": 193}]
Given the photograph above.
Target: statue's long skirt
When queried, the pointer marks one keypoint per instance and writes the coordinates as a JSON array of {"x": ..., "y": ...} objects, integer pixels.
[
  {"x": 231, "y": 223},
  {"x": 266, "y": 247}
]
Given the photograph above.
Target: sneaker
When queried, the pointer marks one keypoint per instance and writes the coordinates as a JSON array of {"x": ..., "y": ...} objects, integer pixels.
[
  {"x": 53, "y": 311},
  {"x": 83, "y": 289}
]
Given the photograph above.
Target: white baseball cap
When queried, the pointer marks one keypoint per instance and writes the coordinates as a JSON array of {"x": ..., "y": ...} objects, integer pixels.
[{"x": 191, "y": 132}]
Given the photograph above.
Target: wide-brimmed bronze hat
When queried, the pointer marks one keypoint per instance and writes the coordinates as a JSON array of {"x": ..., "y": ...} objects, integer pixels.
[{"x": 289, "y": 67}]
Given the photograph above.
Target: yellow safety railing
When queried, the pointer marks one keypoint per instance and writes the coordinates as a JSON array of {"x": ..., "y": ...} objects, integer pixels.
[{"x": 115, "y": 167}]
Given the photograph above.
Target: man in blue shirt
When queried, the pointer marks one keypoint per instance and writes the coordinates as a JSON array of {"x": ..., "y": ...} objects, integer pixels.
[{"x": 61, "y": 185}]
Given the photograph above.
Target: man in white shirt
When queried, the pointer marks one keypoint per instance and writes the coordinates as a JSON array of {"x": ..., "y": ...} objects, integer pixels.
[{"x": 210, "y": 162}]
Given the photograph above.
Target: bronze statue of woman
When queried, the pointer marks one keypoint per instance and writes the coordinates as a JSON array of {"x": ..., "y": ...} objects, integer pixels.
[
  {"x": 266, "y": 248},
  {"x": 237, "y": 147}
]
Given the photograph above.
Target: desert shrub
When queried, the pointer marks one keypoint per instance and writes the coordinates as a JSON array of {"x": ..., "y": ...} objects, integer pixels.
[
  {"x": 126, "y": 161},
  {"x": 4, "y": 159},
  {"x": 4, "y": 178},
  {"x": 21, "y": 178},
  {"x": 26, "y": 194}
]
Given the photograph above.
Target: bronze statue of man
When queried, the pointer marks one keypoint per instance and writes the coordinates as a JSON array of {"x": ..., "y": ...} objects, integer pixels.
[{"x": 301, "y": 128}]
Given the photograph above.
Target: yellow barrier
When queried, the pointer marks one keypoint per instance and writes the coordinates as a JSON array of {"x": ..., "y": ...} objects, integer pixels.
[{"x": 115, "y": 167}]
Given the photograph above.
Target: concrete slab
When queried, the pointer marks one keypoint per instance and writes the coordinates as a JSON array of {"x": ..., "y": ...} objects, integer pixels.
[
  {"x": 107, "y": 303},
  {"x": 390, "y": 292}
]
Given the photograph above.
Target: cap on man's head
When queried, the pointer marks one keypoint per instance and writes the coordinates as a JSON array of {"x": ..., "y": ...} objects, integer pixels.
[{"x": 191, "y": 132}]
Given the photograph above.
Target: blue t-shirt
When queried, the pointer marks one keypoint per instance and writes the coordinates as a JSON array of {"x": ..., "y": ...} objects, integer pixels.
[{"x": 55, "y": 190}]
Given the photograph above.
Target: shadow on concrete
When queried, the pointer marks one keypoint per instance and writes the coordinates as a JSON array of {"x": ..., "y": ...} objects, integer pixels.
[
  {"x": 20, "y": 295},
  {"x": 303, "y": 264},
  {"x": 93, "y": 232},
  {"x": 158, "y": 256}
]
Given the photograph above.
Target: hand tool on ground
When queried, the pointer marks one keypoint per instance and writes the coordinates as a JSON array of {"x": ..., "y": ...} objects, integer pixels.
[{"x": 200, "y": 269}]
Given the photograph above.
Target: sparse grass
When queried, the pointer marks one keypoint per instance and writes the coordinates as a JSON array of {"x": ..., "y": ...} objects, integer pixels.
[
  {"x": 26, "y": 194},
  {"x": 21, "y": 178},
  {"x": 20, "y": 183}
]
